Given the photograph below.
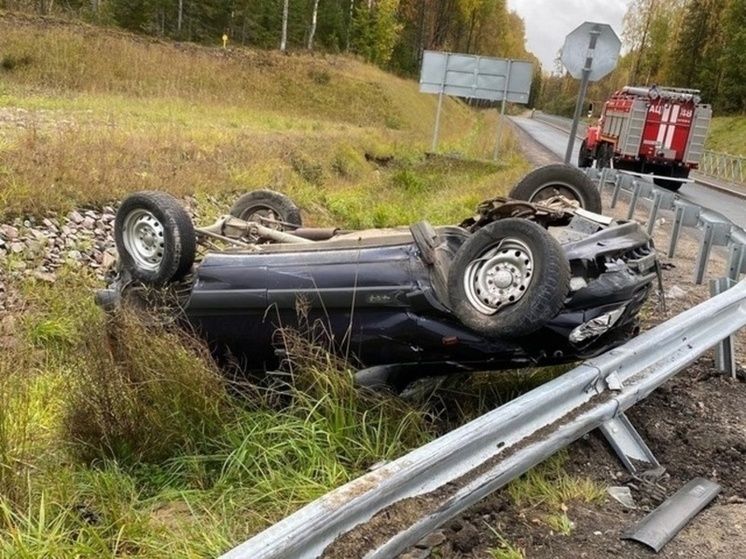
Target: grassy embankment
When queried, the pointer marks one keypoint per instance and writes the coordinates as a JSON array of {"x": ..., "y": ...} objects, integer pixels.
[{"x": 119, "y": 439}]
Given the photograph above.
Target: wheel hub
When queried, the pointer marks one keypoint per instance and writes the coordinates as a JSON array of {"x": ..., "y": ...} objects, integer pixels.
[
  {"x": 143, "y": 237},
  {"x": 557, "y": 189},
  {"x": 500, "y": 277}
]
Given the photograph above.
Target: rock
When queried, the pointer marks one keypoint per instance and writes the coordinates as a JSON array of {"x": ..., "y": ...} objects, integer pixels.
[
  {"x": 433, "y": 539},
  {"x": 415, "y": 553},
  {"x": 465, "y": 539},
  {"x": 9, "y": 232},
  {"x": 44, "y": 276},
  {"x": 108, "y": 260},
  {"x": 675, "y": 292}
]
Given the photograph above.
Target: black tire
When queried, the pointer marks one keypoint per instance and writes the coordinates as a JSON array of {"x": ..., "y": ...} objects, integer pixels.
[
  {"x": 155, "y": 238},
  {"x": 604, "y": 156},
  {"x": 275, "y": 209},
  {"x": 534, "y": 271},
  {"x": 669, "y": 184},
  {"x": 551, "y": 180},
  {"x": 585, "y": 158}
]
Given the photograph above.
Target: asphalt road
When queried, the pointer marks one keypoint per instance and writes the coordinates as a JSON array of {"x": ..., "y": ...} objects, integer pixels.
[{"x": 551, "y": 133}]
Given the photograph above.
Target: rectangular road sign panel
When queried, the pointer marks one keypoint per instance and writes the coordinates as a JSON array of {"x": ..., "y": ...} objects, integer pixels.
[{"x": 476, "y": 77}]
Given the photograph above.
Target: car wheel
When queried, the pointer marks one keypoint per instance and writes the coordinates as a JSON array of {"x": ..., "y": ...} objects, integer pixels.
[
  {"x": 154, "y": 237},
  {"x": 558, "y": 179},
  {"x": 269, "y": 208},
  {"x": 584, "y": 155},
  {"x": 508, "y": 279}
]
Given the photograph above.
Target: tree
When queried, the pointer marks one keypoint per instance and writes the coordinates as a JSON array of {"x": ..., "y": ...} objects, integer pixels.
[
  {"x": 376, "y": 30},
  {"x": 731, "y": 96},
  {"x": 649, "y": 28},
  {"x": 284, "y": 40},
  {"x": 314, "y": 18}
]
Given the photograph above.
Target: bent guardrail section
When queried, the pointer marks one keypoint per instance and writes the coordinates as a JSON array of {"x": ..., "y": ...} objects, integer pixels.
[{"x": 453, "y": 472}]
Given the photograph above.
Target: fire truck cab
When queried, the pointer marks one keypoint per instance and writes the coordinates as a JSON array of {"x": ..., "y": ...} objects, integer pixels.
[{"x": 657, "y": 130}]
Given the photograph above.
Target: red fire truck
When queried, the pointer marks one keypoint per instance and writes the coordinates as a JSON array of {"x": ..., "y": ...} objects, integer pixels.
[{"x": 656, "y": 130}]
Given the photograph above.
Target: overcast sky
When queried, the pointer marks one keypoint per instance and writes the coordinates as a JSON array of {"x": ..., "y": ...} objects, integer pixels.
[{"x": 549, "y": 21}]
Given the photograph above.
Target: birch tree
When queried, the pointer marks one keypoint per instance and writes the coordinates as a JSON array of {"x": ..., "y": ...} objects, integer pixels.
[
  {"x": 284, "y": 40},
  {"x": 314, "y": 17}
]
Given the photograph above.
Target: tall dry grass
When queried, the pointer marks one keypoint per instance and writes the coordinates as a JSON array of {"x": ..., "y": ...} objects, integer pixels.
[{"x": 91, "y": 114}]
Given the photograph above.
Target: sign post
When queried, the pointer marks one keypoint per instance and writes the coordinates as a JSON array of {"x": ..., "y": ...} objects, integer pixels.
[
  {"x": 474, "y": 77},
  {"x": 590, "y": 52}
]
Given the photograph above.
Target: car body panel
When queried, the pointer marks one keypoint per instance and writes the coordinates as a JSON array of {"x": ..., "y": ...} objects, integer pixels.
[{"x": 371, "y": 298}]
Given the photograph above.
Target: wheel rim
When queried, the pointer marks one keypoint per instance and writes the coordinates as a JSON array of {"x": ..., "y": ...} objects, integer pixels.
[
  {"x": 500, "y": 277},
  {"x": 143, "y": 236},
  {"x": 264, "y": 215},
  {"x": 557, "y": 189}
]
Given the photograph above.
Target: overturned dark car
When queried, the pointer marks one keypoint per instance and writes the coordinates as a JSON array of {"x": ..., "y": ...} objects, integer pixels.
[{"x": 525, "y": 282}]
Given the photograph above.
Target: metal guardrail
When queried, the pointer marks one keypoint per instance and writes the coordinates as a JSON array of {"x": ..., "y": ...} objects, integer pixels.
[
  {"x": 457, "y": 470},
  {"x": 730, "y": 168},
  {"x": 717, "y": 230}
]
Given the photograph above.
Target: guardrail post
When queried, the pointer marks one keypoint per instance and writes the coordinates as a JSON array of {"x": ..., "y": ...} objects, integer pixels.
[
  {"x": 602, "y": 179},
  {"x": 628, "y": 444},
  {"x": 639, "y": 188},
  {"x": 736, "y": 260},
  {"x": 636, "y": 186},
  {"x": 715, "y": 233},
  {"x": 617, "y": 188},
  {"x": 687, "y": 215},
  {"x": 724, "y": 350},
  {"x": 663, "y": 200}
]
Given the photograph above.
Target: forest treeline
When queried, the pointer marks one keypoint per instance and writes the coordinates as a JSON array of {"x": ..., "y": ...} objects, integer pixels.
[{"x": 697, "y": 44}]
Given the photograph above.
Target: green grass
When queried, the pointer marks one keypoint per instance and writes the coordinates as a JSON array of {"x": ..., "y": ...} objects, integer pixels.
[
  {"x": 504, "y": 549},
  {"x": 547, "y": 493},
  {"x": 727, "y": 135}
]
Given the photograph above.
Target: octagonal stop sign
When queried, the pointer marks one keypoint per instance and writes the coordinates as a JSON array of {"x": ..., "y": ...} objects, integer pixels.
[{"x": 592, "y": 47}]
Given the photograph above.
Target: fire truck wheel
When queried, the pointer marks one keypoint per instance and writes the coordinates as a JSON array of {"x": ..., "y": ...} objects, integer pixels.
[
  {"x": 604, "y": 156},
  {"x": 585, "y": 159},
  {"x": 508, "y": 279},
  {"x": 558, "y": 179},
  {"x": 668, "y": 184}
]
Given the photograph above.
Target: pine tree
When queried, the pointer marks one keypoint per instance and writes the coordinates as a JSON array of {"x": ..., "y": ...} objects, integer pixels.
[{"x": 732, "y": 87}]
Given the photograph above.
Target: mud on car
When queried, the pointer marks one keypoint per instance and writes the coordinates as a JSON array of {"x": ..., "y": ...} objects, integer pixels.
[{"x": 537, "y": 278}]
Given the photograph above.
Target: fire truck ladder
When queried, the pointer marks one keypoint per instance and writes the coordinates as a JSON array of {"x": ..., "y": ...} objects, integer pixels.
[
  {"x": 630, "y": 142},
  {"x": 695, "y": 146}
]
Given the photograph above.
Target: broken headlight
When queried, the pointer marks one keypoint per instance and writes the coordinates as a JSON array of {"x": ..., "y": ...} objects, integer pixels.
[{"x": 596, "y": 326}]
